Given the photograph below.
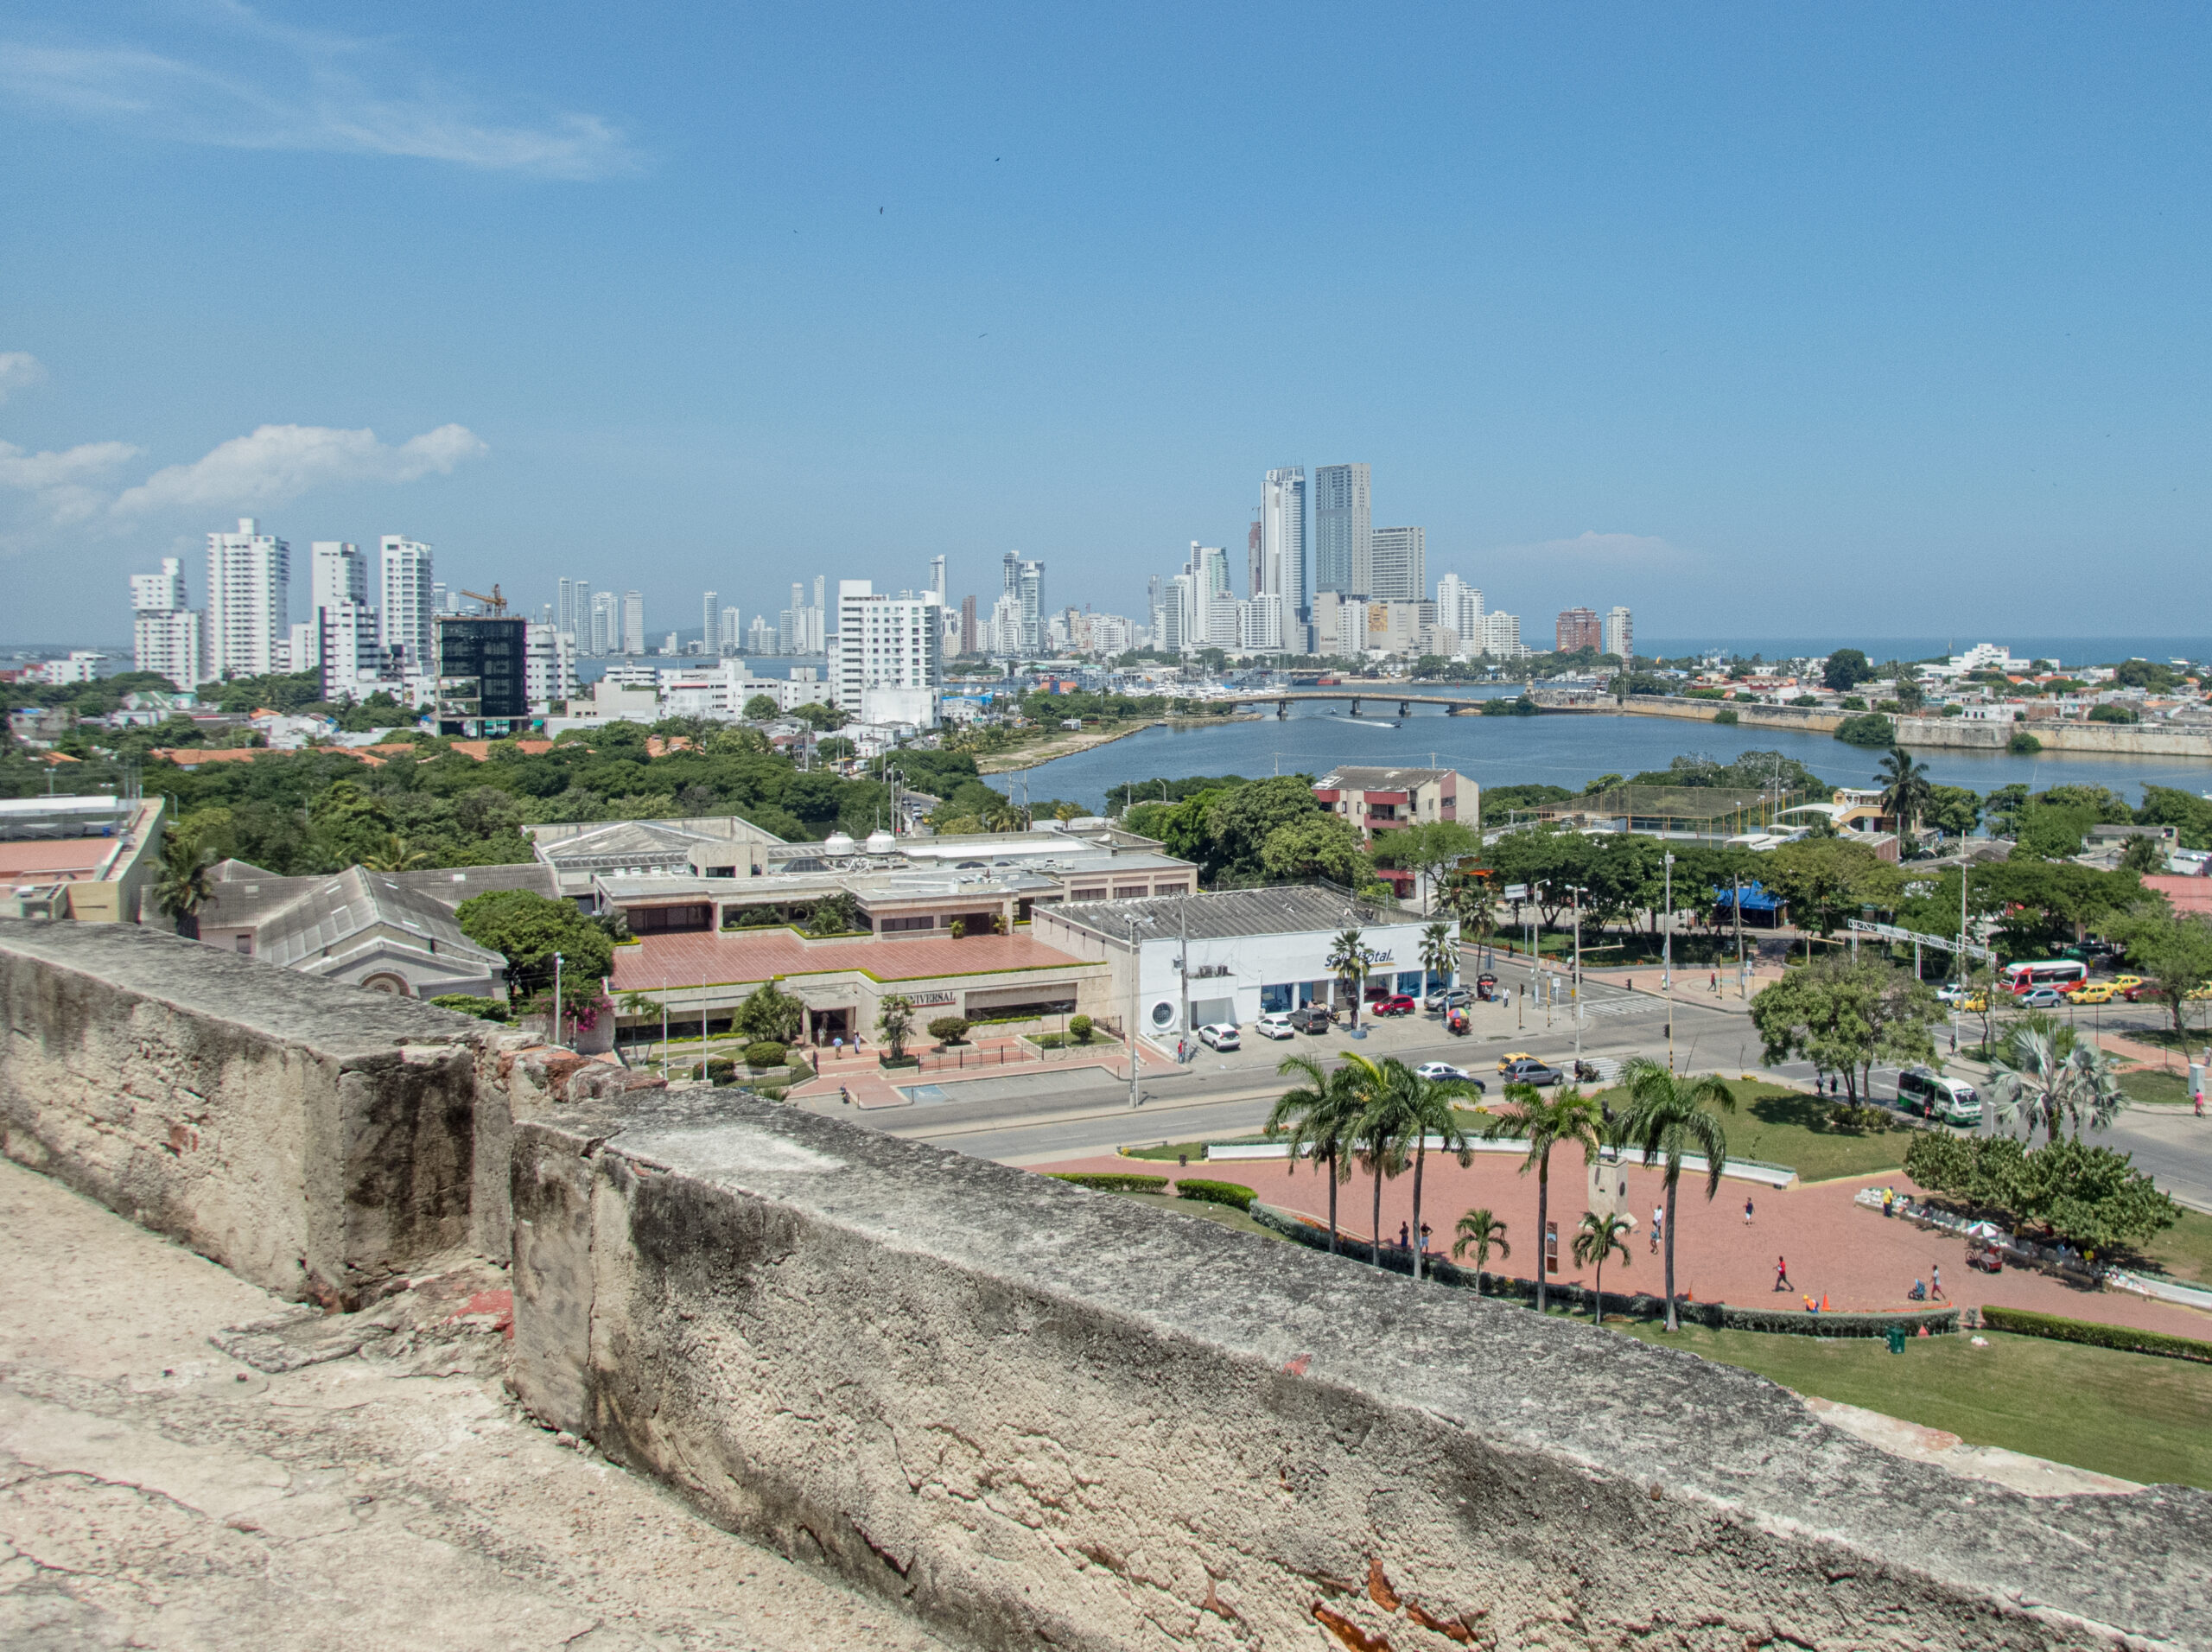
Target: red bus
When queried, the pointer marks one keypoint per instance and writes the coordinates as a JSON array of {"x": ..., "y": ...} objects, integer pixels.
[{"x": 2061, "y": 973}]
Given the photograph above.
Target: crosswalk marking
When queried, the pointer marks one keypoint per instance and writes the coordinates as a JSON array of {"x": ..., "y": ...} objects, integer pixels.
[{"x": 1621, "y": 1006}]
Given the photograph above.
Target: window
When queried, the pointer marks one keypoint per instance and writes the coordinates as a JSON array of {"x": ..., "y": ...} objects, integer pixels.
[
  {"x": 1170, "y": 889},
  {"x": 895, "y": 925},
  {"x": 1097, "y": 893},
  {"x": 1275, "y": 997},
  {"x": 1408, "y": 981},
  {"x": 1131, "y": 891}
]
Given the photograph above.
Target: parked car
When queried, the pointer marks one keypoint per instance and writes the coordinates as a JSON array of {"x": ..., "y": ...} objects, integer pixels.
[
  {"x": 1311, "y": 1018},
  {"x": 2042, "y": 998},
  {"x": 1449, "y": 998},
  {"x": 1276, "y": 1026},
  {"x": 1530, "y": 1071},
  {"x": 1220, "y": 1035},
  {"x": 1922, "y": 1090},
  {"x": 1437, "y": 1071},
  {"x": 1397, "y": 1004}
]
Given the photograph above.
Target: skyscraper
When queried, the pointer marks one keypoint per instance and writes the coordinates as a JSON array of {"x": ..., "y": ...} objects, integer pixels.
[
  {"x": 1459, "y": 606},
  {"x": 1397, "y": 564},
  {"x": 968, "y": 638},
  {"x": 1256, "y": 572},
  {"x": 884, "y": 642},
  {"x": 710, "y": 639},
  {"x": 1282, "y": 540},
  {"x": 937, "y": 578},
  {"x": 409, "y": 600},
  {"x": 337, "y": 573},
  {"x": 1343, "y": 520},
  {"x": 606, "y": 623},
  {"x": 1620, "y": 633},
  {"x": 1211, "y": 564},
  {"x": 249, "y": 602},
  {"x": 633, "y": 622},
  {"x": 167, "y": 636}
]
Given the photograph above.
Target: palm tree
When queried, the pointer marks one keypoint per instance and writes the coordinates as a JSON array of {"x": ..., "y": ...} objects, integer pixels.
[
  {"x": 2046, "y": 1072},
  {"x": 1440, "y": 952},
  {"x": 1318, "y": 1115},
  {"x": 1568, "y": 1115},
  {"x": 1906, "y": 789},
  {"x": 1667, "y": 1113},
  {"x": 1349, "y": 960},
  {"x": 1428, "y": 1111},
  {"x": 1595, "y": 1240},
  {"x": 396, "y": 855},
  {"x": 1482, "y": 1233},
  {"x": 2092, "y": 1089},
  {"x": 1475, "y": 904},
  {"x": 1385, "y": 1120},
  {"x": 184, "y": 885}
]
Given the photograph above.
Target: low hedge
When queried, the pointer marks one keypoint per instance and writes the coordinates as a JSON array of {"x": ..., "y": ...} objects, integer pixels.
[
  {"x": 1231, "y": 1193},
  {"x": 1112, "y": 1181},
  {"x": 2125, "y": 1339}
]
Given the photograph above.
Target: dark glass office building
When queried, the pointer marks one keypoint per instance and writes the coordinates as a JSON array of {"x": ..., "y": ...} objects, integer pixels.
[{"x": 483, "y": 681}]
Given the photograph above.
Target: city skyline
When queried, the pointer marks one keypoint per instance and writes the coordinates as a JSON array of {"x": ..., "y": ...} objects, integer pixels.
[{"x": 1710, "y": 313}]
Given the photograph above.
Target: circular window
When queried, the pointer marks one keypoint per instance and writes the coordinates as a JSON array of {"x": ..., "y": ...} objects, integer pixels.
[
  {"x": 397, "y": 986},
  {"x": 1162, "y": 1013}
]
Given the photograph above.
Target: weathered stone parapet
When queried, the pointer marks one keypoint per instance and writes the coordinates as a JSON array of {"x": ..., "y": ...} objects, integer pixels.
[
  {"x": 311, "y": 1137},
  {"x": 1043, "y": 1416}
]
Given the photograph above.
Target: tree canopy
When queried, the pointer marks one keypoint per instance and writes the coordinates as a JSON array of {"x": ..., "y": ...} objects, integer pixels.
[{"x": 529, "y": 929}]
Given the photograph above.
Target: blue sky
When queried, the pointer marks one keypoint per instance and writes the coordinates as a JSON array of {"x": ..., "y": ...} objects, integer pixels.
[{"x": 1763, "y": 320}]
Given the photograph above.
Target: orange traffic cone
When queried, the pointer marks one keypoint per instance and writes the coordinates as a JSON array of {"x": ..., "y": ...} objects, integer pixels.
[{"x": 1824, "y": 1301}]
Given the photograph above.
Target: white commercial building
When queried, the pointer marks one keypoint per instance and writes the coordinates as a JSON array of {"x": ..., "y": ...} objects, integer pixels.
[
  {"x": 166, "y": 635},
  {"x": 1619, "y": 633},
  {"x": 1501, "y": 636},
  {"x": 410, "y": 599},
  {"x": 549, "y": 666},
  {"x": 337, "y": 573},
  {"x": 249, "y": 602},
  {"x": 1397, "y": 561},
  {"x": 887, "y": 642},
  {"x": 1250, "y": 952},
  {"x": 350, "y": 649}
]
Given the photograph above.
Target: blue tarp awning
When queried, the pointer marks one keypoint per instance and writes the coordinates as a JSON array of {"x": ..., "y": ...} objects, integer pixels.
[{"x": 1756, "y": 898}]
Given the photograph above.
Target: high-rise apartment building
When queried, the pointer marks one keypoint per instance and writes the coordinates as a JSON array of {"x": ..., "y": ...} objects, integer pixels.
[
  {"x": 410, "y": 599},
  {"x": 1211, "y": 564},
  {"x": 1025, "y": 582},
  {"x": 549, "y": 666},
  {"x": 730, "y": 639},
  {"x": 349, "y": 646},
  {"x": 1342, "y": 525},
  {"x": 249, "y": 602},
  {"x": 708, "y": 612},
  {"x": 606, "y": 623},
  {"x": 937, "y": 578},
  {"x": 1282, "y": 541},
  {"x": 1256, "y": 573},
  {"x": 1005, "y": 627},
  {"x": 1501, "y": 635},
  {"x": 337, "y": 573},
  {"x": 1620, "y": 633},
  {"x": 1397, "y": 561},
  {"x": 1578, "y": 628},
  {"x": 167, "y": 636},
  {"x": 885, "y": 641},
  {"x": 633, "y": 622},
  {"x": 969, "y": 639},
  {"x": 1459, "y": 606}
]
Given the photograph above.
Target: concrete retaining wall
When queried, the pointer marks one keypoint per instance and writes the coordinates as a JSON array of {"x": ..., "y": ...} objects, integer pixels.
[
  {"x": 2113, "y": 739},
  {"x": 1040, "y": 1415},
  {"x": 311, "y": 1137}
]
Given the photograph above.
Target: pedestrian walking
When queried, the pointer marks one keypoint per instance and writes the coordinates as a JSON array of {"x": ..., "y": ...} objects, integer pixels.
[
  {"x": 1747, "y": 1210},
  {"x": 1936, "y": 1282},
  {"x": 844, "y": 1096},
  {"x": 1402, "y": 1236},
  {"x": 1782, "y": 1274},
  {"x": 1658, "y": 1226},
  {"x": 1712, "y": 982}
]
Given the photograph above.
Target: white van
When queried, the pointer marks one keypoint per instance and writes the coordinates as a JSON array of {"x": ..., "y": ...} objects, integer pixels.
[{"x": 1932, "y": 1096}]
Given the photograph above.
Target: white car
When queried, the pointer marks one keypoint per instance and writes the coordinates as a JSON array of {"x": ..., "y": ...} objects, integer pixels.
[
  {"x": 1436, "y": 1071},
  {"x": 1220, "y": 1036},
  {"x": 1276, "y": 1026}
]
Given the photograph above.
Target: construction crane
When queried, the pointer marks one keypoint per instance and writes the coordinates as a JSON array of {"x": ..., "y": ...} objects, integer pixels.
[{"x": 495, "y": 605}]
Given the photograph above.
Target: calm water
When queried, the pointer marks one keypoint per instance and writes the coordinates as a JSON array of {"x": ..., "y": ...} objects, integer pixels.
[{"x": 1567, "y": 750}]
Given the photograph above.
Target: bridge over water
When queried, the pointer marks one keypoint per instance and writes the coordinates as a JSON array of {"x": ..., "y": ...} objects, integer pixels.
[{"x": 1455, "y": 705}]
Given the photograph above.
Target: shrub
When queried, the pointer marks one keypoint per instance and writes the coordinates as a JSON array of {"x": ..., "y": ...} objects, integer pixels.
[
  {"x": 1727, "y": 717},
  {"x": 765, "y": 1054},
  {"x": 721, "y": 1071},
  {"x": 1858, "y": 1118},
  {"x": 1229, "y": 1193},
  {"x": 2023, "y": 744},
  {"x": 1955, "y": 710},
  {"x": 1080, "y": 1029},
  {"x": 949, "y": 1029},
  {"x": 1112, "y": 1181},
  {"x": 2126, "y": 1339},
  {"x": 1872, "y": 730},
  {"x": 958, "y": 929},
  {"x": 484, "y": 1009}
]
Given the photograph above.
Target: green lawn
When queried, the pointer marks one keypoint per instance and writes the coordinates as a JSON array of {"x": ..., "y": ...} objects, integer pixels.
[
  {"x": 1779, "y": 1126},
  {"x": 2184, "y": 1250},
  {"x": 2126, "y": 1414},
  {"x": 1170, "y": 1151},
  {"x": 2152, "y": 1087},
  {"x": 1204, "y": 1211}
]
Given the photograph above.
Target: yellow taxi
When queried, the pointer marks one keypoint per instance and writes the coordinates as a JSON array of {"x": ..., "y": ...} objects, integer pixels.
[
  {"x": 1511, "y": 1057},
  {"x": 2092, "y": 992},
  {"x": 2121, "y": 983}
]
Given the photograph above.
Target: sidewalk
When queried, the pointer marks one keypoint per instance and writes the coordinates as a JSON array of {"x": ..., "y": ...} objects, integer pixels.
[{"x": 872, "y": 1085}]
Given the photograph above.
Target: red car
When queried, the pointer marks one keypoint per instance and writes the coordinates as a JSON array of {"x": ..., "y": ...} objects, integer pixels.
[
  {"x": 2140, "y": 991},
  {"x": 1400, "y": 1004}
]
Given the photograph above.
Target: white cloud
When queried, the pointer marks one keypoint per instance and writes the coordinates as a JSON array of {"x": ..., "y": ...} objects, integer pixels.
[
  {"x": 282, "y": 462},
  {"x": 60, "y": 484},
  {"x": 282, "y": 88},
  {"x": 19, "y": 369}
]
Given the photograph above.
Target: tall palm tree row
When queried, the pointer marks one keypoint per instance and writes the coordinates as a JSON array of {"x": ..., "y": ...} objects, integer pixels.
[
  {"x": 1668, "y": 1115},
  {"x": 1567, "y": 1115},
  {"x": 1906, "y": 789}
]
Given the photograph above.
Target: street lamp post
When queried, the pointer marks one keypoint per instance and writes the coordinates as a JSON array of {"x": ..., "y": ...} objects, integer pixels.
[
  {"x": 1667, "y": 954},
  {"x": 1136, "y": 970},
  {"x": 1574, "y": 986},
  {"x": 557, "y": 998}
]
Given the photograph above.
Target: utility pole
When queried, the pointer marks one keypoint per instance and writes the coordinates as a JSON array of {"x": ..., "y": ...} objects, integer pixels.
[
  {"x": 1667, "y": 954},
  {"x": 1136, "y": 970},
  {"x": 557, "y": 998},
  {"x": 1743, "y": 983},
  {"x": 1574, "y": 988},
  {"x": 1183, "y": 963}
]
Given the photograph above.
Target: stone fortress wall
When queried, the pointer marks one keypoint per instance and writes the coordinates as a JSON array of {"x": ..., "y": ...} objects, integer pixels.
[{"x": 1030, "y": 1413}]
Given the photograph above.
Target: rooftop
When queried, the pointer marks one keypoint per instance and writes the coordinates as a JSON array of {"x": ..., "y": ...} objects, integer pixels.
[
  {"x": 1362, "y": 779},
  {"x": 1282, "y": 909},
  {"x": 354, "y": 902},
  {"x": 740, "y": 956}
]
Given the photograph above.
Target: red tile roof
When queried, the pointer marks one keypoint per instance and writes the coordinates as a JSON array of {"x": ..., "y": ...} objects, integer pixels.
[
  {"x": 666, "y": 960},
  {"x": 2184, "y": 894},
  {"x": 51, "y": 860}
]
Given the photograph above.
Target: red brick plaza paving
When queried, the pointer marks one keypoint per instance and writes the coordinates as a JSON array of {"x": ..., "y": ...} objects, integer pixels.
[
  {"x": 660, "y": 962},
  {"x": 1857, "y": 1258},
  {"x": 860, "y": 1072}
]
